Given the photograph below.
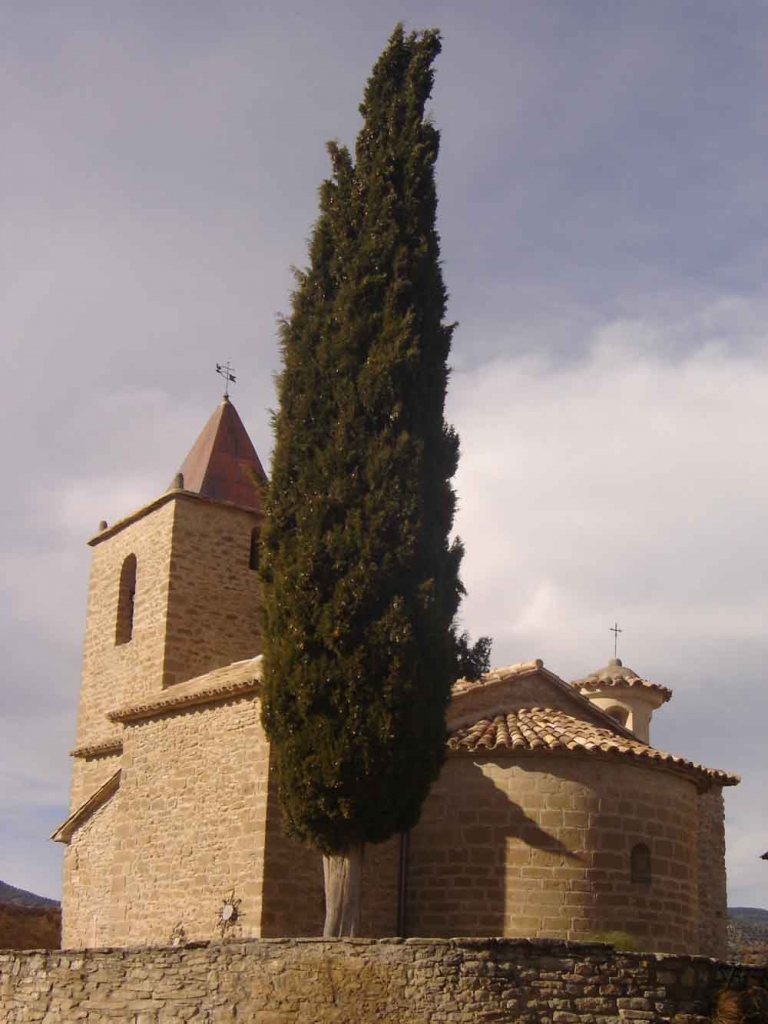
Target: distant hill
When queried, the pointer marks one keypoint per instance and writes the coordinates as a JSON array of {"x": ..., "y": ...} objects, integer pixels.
[
  {"x": 748, "y": 914},
  {"x": 10, "y": 895},
  {"x": 748, "y": 934}
]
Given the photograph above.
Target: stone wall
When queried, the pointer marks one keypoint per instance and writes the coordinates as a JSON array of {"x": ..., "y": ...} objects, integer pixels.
[
  {"x": 541, "y": 847},
  {"x": 710, "y": 849},
  {"x": 88, "y": 868},
  {"x": 214, "y": 595},
  {"x": 116, "y": 673},
  {"x": 185, "y": 828},
  {"x": 530, "y": 689},
  {"x": 89, "y": 773},
  {"x": 462, "y": 981},
  {"x": 195, "y": 607}
]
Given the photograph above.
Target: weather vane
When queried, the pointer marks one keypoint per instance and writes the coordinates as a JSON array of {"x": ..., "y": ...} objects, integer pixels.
[
  {"x": 615, "y": 630},
  {"x": 225, "y": 371}
]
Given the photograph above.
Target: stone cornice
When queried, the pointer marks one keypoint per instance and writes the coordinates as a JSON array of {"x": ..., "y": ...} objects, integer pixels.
[
  {"x": 145, "y": 510},
  {"x": 170, "y": 702},
  {"x": 101, "y": 749}
]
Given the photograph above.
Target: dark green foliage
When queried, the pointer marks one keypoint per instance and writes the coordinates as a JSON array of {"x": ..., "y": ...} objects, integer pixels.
[
  {"x": 472, "y": 660},
  {"x": 361, "y": 585}
]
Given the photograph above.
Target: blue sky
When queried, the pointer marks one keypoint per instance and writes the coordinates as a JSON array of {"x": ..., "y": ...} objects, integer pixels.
[{"x": 604, "y": 223}]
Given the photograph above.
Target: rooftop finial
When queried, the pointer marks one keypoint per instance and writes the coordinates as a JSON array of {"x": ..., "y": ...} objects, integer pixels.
[
  {"x": 615, "y": 630},
  {"x": 225, "y": 371}
]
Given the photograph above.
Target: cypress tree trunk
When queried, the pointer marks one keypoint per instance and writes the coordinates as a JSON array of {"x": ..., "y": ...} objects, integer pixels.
[{"x": 342, "y": 876}]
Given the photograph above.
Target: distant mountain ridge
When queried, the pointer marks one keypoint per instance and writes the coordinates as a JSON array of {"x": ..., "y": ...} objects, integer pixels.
[
  {"x": 9, "y": 894},
  {"x": 748, "y": 914},
  {"x": 748, "y": 934}
]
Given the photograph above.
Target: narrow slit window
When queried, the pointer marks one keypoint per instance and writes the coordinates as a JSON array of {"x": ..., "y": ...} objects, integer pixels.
[
  {"x": 126, "y": 599},
  {"x": 640, "y": 864},
  {"x": 253, "y": 558}
]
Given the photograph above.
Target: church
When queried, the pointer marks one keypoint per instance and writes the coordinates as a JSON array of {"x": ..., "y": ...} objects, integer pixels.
[{"x": 553, "y": 816}]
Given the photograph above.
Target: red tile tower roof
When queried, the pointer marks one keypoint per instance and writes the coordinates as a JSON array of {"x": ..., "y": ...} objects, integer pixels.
[{"x": 222, "y": 463}]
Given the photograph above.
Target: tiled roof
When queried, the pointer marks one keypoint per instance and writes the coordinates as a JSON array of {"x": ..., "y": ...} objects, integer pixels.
[
  {"x": 545, "y": 730},
  {"x": 615, "y": 675},
  {"x": 235, "y": 680},
  {"x": 222, "y": 463},
  {"x": 498, "y": 680}
]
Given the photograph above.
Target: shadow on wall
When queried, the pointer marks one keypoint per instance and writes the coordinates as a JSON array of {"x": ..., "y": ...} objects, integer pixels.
[
  {"x": 293, "y": 902},
  {"x": 483, "y": 859}
]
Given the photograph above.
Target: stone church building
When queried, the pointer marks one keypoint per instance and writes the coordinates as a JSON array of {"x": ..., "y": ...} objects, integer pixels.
[{"x": 553, "y": 815}]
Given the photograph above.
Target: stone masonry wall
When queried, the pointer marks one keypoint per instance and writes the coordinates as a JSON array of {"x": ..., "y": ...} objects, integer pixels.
[
  {"x": 535, "y": 690},
  {"x": 195, "y": 607},
  {"x": 214, "y": 595},
  {"x": 193, "y": 807},
  {"x": 88, "y": 866},
  {"x": 89, "y": 774},
  {"x": 462, "y": 981},
  {"x": 185, "y": 829},
  {"x": 113, "y": 673},
  {"x": 541, "y": 847},
  {"x": 710, "y": 847}
]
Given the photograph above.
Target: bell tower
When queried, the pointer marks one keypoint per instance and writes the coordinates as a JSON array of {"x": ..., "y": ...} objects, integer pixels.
[
  {"x": 624, "y": 695},
  {"x": 174, "y": 591}
]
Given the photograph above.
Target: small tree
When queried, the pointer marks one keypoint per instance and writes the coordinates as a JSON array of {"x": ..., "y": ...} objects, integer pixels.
[{"x": 361, "y": 584}]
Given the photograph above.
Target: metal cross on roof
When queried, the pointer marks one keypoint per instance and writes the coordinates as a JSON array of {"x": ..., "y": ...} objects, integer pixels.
[
  {"x": 225, "y": 371},
  {"x": 615, "y": 630}
]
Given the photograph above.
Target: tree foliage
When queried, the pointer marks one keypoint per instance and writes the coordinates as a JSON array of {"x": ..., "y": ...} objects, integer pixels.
[{"x": 361, "y": 582}]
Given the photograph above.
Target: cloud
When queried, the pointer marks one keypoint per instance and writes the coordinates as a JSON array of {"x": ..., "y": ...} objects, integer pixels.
[
  {"x": 619, "y": 482},
  {"x": 632, "y": 485}
]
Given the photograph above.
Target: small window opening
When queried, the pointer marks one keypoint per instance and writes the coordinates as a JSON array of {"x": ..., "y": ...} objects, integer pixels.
[
  {"x": 640, "y": 864},
  {"x": 126, "y": 599},
  {"x": 253, "y": 558},
  {"x": 618, "y": 714}
]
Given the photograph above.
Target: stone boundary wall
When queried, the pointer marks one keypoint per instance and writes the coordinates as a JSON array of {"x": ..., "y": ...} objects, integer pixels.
[{"x": 356, "y": 981}]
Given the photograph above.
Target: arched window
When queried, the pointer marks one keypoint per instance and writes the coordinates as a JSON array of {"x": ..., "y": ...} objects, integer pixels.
[
  {"x": 125, "y": 601},
  {"x": 619, "y": 714},
  {"x": 640, "y": 864},
  {"x": 253, "y": 558}
]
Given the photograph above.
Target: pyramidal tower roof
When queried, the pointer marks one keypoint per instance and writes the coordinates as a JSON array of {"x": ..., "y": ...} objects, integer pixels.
[{"x": 222, "y": 463}]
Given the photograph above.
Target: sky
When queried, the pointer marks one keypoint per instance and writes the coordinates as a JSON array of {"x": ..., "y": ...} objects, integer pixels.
[{"x": 604, "y": 223}]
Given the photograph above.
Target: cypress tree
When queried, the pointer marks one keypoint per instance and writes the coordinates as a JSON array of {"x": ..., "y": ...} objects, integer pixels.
[{"x": 361, "y": 582}]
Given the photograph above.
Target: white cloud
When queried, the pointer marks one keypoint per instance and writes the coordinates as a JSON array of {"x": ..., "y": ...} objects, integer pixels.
[
  {"x": 632, "y": 485},
  {"x": 623, "y": 481}
]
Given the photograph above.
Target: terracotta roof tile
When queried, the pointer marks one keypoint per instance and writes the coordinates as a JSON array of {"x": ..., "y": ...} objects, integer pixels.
[
  {"x": 222, "y": 463},
  {"x": 545, "y": 730},
  {"x": 618, "y": 676},
  {"x": 521, "y": 668}
]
